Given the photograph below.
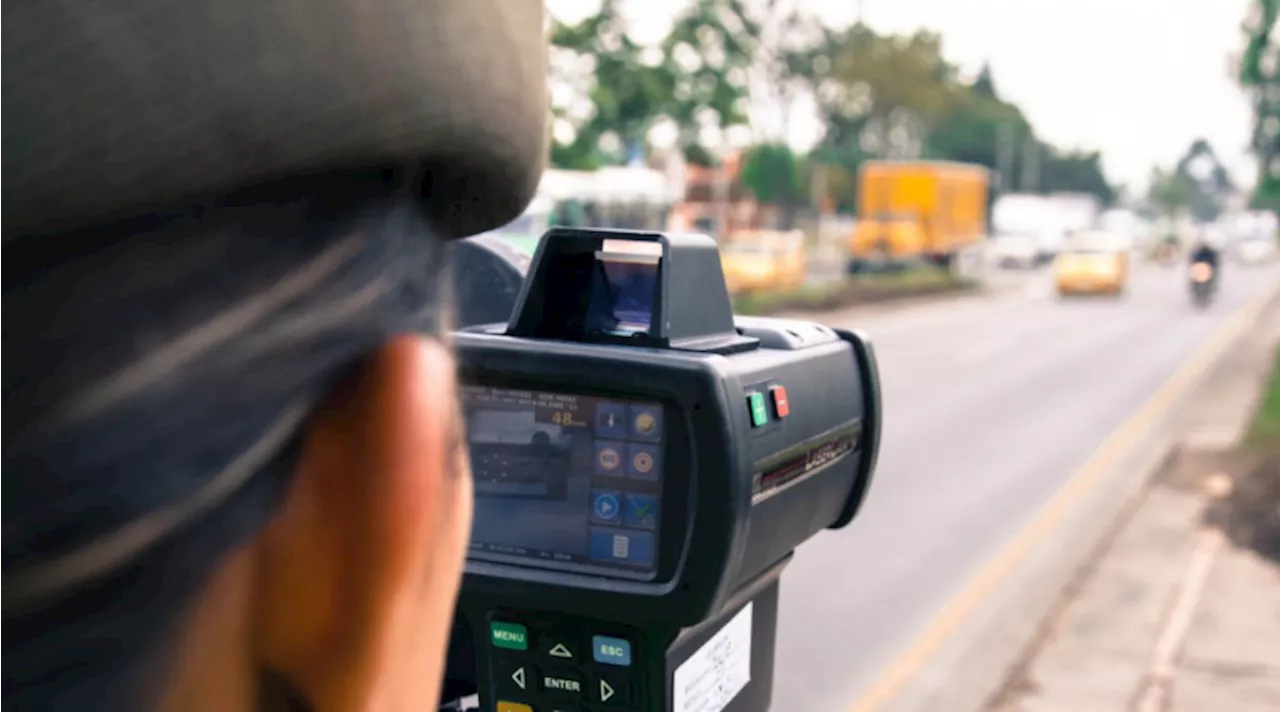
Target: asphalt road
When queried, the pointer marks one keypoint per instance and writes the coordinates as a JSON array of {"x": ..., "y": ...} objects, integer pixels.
[{"x": 990, "y": 406}]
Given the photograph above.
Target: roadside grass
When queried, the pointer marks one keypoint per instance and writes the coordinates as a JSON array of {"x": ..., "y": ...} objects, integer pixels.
[
  {"x": 1265, "y": 430},
  {"x": 860, "y": 289}
]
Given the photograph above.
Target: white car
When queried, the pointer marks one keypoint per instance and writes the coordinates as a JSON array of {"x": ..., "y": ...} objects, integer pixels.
[
  {"x": 1257, "y": 250},
  {"x": 1015, "y": 251}
]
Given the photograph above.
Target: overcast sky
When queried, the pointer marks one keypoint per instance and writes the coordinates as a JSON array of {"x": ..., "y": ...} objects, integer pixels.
[{"x": 1136, "y": 79}]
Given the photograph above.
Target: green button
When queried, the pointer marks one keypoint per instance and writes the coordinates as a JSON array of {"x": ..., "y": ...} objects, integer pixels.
[
  {"x": 759, "y": 413},
  {"x": 511, "y": 636}
]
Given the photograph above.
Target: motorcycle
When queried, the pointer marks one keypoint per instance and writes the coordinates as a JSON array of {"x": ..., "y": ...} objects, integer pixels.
[{"x": 1203, "y": 283}]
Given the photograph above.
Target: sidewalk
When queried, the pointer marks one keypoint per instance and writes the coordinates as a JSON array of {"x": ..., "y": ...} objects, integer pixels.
[{"x": 1181, "y": 610}]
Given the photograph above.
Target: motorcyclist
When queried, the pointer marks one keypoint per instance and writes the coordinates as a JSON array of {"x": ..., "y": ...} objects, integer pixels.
[
  {"x": 1205, "y": 251},
  {"x": 234, "y": 476}
]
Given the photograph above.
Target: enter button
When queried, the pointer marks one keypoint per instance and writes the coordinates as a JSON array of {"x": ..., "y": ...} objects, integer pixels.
[
  {"x": 611, "y": 651},
  {"x": 563, "y": 683}
]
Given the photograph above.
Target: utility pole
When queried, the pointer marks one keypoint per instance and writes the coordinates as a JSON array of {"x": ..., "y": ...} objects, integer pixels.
[
  {"x": 1004, "y": 156},
  {"x": 720, "y": 191},
  {"x": 1030, "y": 165}
]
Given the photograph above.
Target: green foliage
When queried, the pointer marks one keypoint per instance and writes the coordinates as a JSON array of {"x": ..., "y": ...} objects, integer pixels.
[
  {"x": 1180, "y": 190},
  {"x": 873, "y": 86},
  {"x": 697, "y": 75},
  {"x": 985, "y": 85},
  {"x": 1260, "y": 77},
  {"x": 1266, "y": 422},
  {"x": 879, "y": 96},
  {"x": 1075, "y": 172},
  {"x": 628, "y": 94},
  {"x": 1169, "y": 193},
  {"x": 772, "y": 173}
]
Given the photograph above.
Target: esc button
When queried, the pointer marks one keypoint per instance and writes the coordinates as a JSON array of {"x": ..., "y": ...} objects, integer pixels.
[{"x": 611, "y": 651}]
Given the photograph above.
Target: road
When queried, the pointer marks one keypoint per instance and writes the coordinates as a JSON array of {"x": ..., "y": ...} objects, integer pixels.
[{"x": 990, "y": 406}]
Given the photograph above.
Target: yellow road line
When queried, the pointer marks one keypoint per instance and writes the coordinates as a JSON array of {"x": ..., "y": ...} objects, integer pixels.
[{"x": 900, "y": 672}]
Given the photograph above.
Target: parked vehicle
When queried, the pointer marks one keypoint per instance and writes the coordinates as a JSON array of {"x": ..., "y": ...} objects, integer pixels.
[
  {"x": 763, "y": 259},
  {"x": 911, "y": 211}
]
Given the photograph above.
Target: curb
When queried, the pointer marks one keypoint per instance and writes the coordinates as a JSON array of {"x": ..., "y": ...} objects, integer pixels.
[
  {"x": 973, "y": 650},
  {"x": 899, "y": 303}
]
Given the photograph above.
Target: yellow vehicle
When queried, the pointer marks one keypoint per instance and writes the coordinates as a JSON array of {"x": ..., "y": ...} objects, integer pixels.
[
  {"x": 909, "y": 211},
  {"x": 1092, "y": 263},
  {"x": 763, "y": 260}
]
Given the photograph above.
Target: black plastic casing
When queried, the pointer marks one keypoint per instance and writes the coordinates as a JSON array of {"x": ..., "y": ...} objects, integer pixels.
[{"x": 719, "y": 530}]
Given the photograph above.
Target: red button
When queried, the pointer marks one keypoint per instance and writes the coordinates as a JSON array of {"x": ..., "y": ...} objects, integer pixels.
[{"x": 781, "y": 407}]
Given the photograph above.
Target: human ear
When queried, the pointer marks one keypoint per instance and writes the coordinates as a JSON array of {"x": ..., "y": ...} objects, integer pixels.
[{"x": 357, "y": 576}]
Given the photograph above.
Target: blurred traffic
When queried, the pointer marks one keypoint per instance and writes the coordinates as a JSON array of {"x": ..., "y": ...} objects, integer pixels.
[
  {"x": 1035, "y": 291},
  {"x": 911, "y": 215}
]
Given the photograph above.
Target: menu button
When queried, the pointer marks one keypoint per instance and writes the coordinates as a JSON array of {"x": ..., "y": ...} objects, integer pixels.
[{"x": 511, "y": 636}]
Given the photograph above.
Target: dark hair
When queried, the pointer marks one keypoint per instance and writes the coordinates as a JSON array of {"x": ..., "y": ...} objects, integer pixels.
[{"x": 158, "y": 373}]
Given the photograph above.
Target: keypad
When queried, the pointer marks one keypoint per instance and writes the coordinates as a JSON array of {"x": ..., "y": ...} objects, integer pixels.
[{"x": 543, "y": 663}]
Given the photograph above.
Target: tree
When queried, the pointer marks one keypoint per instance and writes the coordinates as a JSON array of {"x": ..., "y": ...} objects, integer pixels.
[
  {"x": 709, "y": 52},
  {"x": 772, "y": 173},
  {"x": 984, "y": 85},
  {"x": 879, "y": 96},
  {"x": 881, "y": 93},
  {"x": 1198, "y": 184},
  {"x": 1169, "y": 193},
  {"x": 627, "y": 91},
  {"x": 970, "y": 130},
  {"x": 696, "y": 76},
  {"x": 1260, "y": 77},
  {"x": 1075, "y": 172}
]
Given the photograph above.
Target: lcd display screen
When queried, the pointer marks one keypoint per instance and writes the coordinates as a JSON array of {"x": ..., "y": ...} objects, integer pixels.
[{"x": 565, "y": 481}]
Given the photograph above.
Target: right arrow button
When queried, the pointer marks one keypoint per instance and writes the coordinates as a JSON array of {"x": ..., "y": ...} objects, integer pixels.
[{"x": 613, "y": 690}]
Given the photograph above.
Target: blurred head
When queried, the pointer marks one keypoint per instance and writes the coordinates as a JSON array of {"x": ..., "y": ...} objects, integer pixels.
[
  {"x": 231, "y": 452},
  {"x": 234, "y": 475}
]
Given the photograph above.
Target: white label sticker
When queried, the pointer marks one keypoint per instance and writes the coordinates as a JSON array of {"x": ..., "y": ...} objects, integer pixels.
[{"x": 718, "y": 671}]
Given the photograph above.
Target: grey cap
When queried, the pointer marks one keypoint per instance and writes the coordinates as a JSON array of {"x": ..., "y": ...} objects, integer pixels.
[{"x": 112, "y": 108}]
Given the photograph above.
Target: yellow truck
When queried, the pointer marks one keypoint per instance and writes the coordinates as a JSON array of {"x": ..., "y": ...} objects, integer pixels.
[{"x": 910, "y": 211}]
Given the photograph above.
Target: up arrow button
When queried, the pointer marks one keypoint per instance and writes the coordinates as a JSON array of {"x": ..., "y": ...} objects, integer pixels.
[
  {"x": 605, "y": 691},
  {"x": 560, "y": 651}
]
